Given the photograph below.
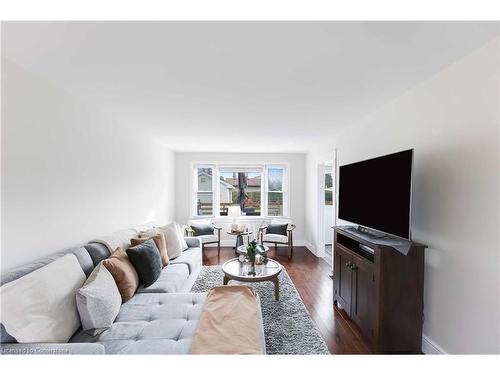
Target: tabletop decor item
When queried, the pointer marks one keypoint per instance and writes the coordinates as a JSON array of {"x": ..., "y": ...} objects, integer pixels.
[
  {"x": 262, "y": 251},
  {"x": 238, "y": 228},
  {"x": 251, "y": 253}
]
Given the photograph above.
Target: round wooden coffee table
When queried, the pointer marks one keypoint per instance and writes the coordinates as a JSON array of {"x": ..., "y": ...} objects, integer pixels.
[{"x": 235, "y": 270}]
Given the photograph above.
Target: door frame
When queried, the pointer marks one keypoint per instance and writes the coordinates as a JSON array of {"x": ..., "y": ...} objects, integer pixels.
[{"x": 321, "y": 233}]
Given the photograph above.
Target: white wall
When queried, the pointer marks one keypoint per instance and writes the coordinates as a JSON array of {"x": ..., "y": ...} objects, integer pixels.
[
  {"x": 183, "y": 165},
  {"x": 69, "y": 173},
  {"x": 452, "y": 121}
]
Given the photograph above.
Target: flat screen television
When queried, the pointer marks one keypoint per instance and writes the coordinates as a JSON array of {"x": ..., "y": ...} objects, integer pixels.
[{"x": 376, "y": 193}]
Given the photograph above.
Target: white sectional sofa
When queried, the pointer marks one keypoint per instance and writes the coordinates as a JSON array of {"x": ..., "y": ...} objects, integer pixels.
[{"x": 159, "y": 319}]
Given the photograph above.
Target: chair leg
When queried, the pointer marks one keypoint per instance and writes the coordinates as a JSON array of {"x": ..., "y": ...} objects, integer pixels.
[
  {"x": 218, "y": 248},
  {"x": 276, "y": 249},
  {"x": 289, "y": 250}
]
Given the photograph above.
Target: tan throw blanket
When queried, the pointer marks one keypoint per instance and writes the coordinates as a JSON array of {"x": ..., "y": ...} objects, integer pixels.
[{"x": 229, "y": 323}]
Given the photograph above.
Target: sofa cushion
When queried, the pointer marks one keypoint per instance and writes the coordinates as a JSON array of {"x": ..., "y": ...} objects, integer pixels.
[
  {"x": 98, "y": 301},
  {"x": 81, "y": 254},
  {"x": 41, "y": 306},
  {"x": 192, "y": 257},
  {"x": 275, "y": 238},
  {"x": 192, "y": 241},
  {"x": 145, "y": 258},
  {"x": 155, "y": 323},
  {"x": 98, "y": 252},
  {"x": 171, "y": 279},
  {"x": 5, "y": 337}
]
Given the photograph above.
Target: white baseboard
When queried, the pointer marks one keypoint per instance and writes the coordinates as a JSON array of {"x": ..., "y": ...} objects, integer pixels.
[
  {"x": 310, "y": 247},
  {"x": 430, "y": 347}
]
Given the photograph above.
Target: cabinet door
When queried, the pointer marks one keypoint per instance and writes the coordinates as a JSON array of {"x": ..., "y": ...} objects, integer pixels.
[
  {"x": 363, "y": 306},
  {"x": 343, "y": 277}
]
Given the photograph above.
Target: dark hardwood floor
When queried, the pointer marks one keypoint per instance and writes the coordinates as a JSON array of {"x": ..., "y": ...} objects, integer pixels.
[{"x": 311, "y": 276}]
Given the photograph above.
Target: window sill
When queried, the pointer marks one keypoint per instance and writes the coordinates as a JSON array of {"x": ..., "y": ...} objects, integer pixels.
[{"x": 225, "y": 219}]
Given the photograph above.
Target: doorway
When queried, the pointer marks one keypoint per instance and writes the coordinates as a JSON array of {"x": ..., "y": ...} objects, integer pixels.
[
  {"x": 326, "y": 207},
  {"x": 328, "y": 210}
]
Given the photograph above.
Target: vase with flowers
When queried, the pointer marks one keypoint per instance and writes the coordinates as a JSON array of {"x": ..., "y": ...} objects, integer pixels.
[{"x": 251, "y": 253}]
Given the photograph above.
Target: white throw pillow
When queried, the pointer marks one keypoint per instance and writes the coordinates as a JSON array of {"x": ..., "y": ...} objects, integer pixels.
[
  {"x": 41, "y": 306},
  {"x": 98, "y": 301},
  {"x": 176, "y": 243}
]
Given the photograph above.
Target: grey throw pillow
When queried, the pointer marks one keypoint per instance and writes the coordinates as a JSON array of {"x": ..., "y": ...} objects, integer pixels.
[
  {"x": 202, "y": 229},
  {"x": 98, "y": 301},
  {"x": 277, "y": 229},
  {"x": 146, "y": 260}
]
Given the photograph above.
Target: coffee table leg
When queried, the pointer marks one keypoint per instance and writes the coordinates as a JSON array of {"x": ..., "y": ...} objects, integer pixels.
[
  {"x": 276, "y": 288},
  {"x": 226, "y": 280}
]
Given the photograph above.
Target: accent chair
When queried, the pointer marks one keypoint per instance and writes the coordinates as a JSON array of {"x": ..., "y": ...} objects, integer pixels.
[
  {"x": 276, "y": 233},
  {"x": 205, "y": 230}
]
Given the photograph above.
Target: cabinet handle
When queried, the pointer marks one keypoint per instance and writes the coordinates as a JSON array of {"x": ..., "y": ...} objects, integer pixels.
[{"x": 351, "y": 265}]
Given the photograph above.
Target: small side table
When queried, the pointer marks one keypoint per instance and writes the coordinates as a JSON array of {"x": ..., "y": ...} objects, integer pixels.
[{"x": 239, "y": 237}]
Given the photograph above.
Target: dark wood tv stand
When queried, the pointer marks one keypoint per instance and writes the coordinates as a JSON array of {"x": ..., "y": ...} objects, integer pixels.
[{"x": 380, "y": 290}]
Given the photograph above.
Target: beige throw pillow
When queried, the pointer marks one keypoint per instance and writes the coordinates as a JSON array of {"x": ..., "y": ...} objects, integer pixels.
[{"x": 124, "y": 273}]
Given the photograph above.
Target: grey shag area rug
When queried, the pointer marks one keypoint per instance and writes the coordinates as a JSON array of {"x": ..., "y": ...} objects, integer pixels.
[{"x": 288, "y": 328}]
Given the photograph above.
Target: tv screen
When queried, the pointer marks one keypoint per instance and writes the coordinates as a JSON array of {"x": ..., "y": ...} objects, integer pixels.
[{"x": 376, "y": 193}]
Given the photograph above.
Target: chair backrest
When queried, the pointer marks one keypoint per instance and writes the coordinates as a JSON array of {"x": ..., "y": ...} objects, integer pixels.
[
  {"x": 201, "y": 222},
  {"x": 282, "y": 221}
]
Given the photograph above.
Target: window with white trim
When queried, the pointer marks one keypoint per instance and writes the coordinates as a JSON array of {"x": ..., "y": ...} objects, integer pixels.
[
  {"x": 204, "y": 191},
  {"x": 241, "y": 186},
  {"x": 275, "y": 191},
  {"x": 261, "y": 190}
]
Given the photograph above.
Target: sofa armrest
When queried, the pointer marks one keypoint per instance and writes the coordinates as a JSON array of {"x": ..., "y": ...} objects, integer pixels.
[
  {"x": 193, "y": 241},
  {"x": 49, "y": 348},
  {"x": 187, "y": 230}
]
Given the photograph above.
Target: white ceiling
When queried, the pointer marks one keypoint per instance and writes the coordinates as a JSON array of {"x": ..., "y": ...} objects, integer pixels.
[{"x": 240, "y": 86}]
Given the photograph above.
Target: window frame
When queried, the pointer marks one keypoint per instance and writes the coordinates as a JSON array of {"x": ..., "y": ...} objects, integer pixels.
[
  {"x": 264, "y": 192},
  {"x": 196, "y": 191},
  {"x": 284, "y": 188}
]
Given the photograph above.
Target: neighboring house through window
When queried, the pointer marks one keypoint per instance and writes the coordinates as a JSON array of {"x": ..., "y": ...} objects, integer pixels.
[{"x": 260, "y": 190}]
